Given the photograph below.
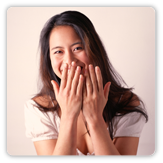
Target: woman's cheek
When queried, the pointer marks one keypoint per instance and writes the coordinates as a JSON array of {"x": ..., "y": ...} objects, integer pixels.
[
  {"x": 56, "y": 67},
  {"x": 86, "y": 58}
]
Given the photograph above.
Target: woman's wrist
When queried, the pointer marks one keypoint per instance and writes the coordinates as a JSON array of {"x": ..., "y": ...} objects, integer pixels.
[
  {"x": 95, "y": 121},
  {"x": 69, "y": 117},
  {"x": 67, "y": 139}
]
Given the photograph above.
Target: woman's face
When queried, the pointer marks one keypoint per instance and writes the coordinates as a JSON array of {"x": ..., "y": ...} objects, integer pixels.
[{"x": 66, "y": 46}]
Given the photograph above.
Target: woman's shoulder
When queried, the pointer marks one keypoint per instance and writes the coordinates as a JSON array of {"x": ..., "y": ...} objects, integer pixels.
[
  {"x": 132, "y": 122},
  {"x": 127, "y": 97},
  {"x": 38, "y": 104},
  {"x": 40, "y": 125},
  {"x": 44, "y": 101},
  {"x": 130, "y": 98},
  {"x": 35, "y": 114},
  {"x": 128, "y": 125}
]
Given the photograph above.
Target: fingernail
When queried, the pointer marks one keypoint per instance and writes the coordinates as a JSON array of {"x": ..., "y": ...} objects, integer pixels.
[
  {"x": 73, "y": 63},
  {"x": 91, "y": 67},
  {"x": 81, "y": 77},
  {"x": 97, "y": 68},
  {"x": 78, "y": 68},
  {"x": 65, "y": 65}
]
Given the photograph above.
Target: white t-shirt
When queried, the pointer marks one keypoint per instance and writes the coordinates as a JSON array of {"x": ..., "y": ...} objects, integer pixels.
[{"x": 45, "y": 125}]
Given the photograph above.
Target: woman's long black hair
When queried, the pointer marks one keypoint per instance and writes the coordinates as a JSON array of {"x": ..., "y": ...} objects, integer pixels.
[{"x": 116, "y": 105}]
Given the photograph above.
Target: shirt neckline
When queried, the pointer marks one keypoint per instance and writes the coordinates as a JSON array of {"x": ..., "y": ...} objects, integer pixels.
[{"x": 80, "y": 153}]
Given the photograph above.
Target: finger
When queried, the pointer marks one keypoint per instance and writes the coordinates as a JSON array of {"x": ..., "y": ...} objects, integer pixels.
[
  {"x": 84, "y": 88},
  {"x": 64, "y": 77},
  {"x": 76, "y": 80},
  {"x": 88, "y": 82},
  {"x": 93, "y": 78},
  {"x": 99, "y": 78},
  {"x": 84, "y": 84},
  {"x": 80, "y": 85},
  {"x": 55, "y": 87},
  {"x": 71, "y": 75},
  {"x": 107, "y": 89}
]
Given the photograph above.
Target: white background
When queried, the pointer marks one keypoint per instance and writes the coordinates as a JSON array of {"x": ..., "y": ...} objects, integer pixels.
[{"x": 128, "y": 33}]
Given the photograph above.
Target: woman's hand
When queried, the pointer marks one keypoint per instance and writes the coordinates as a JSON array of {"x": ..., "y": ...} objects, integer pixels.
[
  {"x": 94, "y": 96},
  {"x": 69, "y": 94}
]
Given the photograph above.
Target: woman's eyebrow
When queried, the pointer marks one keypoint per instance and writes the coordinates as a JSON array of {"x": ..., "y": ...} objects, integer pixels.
[
  {"x": 76, "y": 43},
  {"x": 70, "y": 46}
]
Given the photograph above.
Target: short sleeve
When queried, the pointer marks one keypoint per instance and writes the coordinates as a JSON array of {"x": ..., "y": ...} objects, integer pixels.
[
  {"x": 129, "y": 125},
  {"x": 39, "y": 125}
]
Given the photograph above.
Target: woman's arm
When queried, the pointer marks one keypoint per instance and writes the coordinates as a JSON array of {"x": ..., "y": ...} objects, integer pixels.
[
  {"x": 100, "y": 137},
  {"x": 64, "y": 145},
  {"x": 95, "y": 98},
  {"x": 103, "y": 145},
  {"x": 69, "y": 97}
]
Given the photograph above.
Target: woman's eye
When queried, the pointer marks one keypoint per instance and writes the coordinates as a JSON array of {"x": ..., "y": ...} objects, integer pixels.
[
  {"x": 57, "y": 52},
  {"x": 78, "y": 48}
]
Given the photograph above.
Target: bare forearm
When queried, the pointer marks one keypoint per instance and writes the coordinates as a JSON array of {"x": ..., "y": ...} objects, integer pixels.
[
  {"x": 101, "y": 140},
  {"x": 66, "y": 143}
]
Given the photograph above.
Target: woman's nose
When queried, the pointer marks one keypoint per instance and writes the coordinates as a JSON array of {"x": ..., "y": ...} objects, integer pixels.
[{"x": 68, "y": 58}]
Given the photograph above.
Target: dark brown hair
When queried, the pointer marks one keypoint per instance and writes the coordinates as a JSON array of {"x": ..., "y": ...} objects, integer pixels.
[{"x": 96, "y": 52}]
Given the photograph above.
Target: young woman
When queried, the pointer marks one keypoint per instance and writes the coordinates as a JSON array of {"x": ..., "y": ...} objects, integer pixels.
[{"x": 83, "y": 107}]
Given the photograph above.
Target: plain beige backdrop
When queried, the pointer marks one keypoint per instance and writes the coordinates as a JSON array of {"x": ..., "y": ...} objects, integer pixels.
[{"x": 128, "y": 34}]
